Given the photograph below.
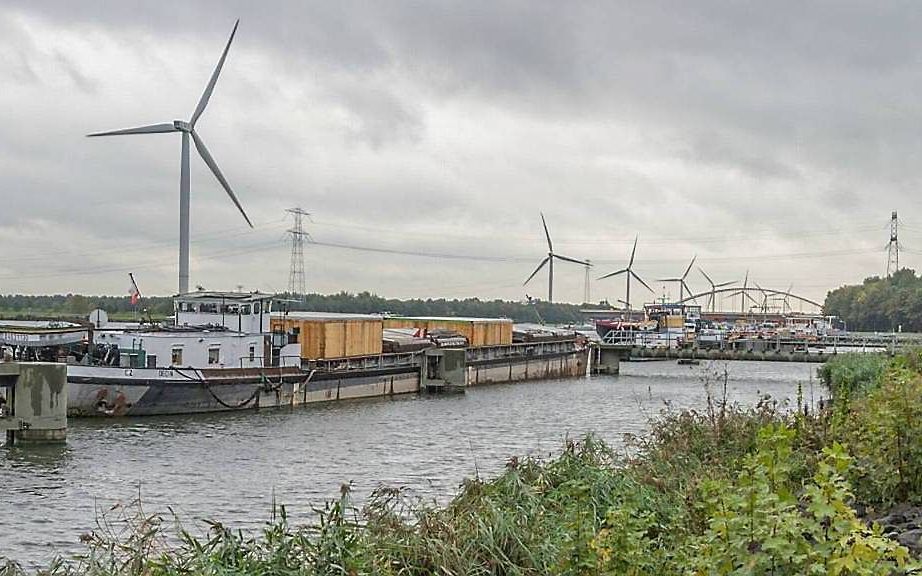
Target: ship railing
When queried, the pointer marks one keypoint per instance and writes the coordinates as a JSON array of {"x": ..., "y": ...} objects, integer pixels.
[
  {"x": 523, "y": 349},
  {"x": 381, "y": 361}
]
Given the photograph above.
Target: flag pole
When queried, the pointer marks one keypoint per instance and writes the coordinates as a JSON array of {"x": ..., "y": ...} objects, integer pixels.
[{"x": 135, "y": 296}]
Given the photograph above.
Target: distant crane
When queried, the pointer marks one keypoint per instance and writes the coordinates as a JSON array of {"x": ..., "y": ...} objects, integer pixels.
[
  {"x": 628, "y": 274},
  {"x": 549, "y": 262}
]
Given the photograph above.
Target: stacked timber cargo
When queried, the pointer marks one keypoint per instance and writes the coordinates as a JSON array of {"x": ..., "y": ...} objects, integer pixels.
[
  {"x": 478, "y": 331},
  {"x": 325, "y": 335}
]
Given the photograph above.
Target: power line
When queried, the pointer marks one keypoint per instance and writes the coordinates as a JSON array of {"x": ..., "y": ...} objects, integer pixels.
[{"x": 526, "y": 260}]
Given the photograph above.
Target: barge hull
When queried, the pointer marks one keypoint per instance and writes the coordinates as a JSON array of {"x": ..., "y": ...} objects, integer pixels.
[{"x": 148, "y": 392}]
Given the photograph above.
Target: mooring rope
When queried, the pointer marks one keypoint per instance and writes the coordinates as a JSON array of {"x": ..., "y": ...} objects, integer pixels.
[{"x": 207, "y": 386}]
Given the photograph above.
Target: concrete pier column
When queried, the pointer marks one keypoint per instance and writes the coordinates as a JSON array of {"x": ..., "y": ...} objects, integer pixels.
[
  {"x": 444, "y": 370},
  {"x": 35, "y": 408},
  {"x": 607, "y": 359}
]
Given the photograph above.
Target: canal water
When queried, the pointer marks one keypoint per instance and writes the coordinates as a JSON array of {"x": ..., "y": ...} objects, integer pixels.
[{"x": 231, "y": 467}]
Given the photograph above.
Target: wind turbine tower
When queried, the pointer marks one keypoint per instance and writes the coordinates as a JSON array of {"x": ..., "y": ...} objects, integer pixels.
[
  {"x": 893, "y": 247},
  {"x": 296, "y": 284},
  {"x": 586, "y": 293},
  {"x": 628, "y": 274},
  {"x": 549, "y": 262},
  {"x": 187, "y": 129}
]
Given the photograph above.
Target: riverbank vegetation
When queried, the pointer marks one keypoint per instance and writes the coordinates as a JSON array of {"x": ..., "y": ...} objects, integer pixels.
[
  {"x": 880, "y": 304},
  {"x": 158, "y": 307},
  {"x": 765, "y": 489}
]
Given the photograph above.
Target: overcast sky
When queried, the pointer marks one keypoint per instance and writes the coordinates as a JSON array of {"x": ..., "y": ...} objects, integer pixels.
[{"x": 770, "y": 136}]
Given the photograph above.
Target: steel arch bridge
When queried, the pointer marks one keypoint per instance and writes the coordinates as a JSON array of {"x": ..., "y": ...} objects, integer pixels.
[{"x": 748, "y": 291}]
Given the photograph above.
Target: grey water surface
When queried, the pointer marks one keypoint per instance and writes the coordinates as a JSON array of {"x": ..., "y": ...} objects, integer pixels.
[{"x": 232, "y": 467}]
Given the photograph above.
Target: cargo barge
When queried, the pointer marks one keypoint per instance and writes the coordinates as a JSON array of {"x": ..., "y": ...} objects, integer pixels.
[{"x": 227, "y": 351}]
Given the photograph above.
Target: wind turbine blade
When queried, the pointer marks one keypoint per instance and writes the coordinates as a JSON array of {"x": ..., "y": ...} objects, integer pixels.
[
  {"x": 690, "y": 264},
  {"x": 214, "y": 79},
  {"x": 722, "y": 284},
  {"x": 703, "y": 273},
  {"x": 668, "y": 279},
  {"x": 639, "y": 279},
  {"x": 206, "y": 156},
  {"x": 538, "y": 269},
  {"x": 633, "y": 251},
  {"x": 609, "y": 275},
  {"x": 574, "y": 260},
  {"x": 150, "y": 129},
  {"x": 690, "y": 293},
  {"x": 550, "y": 246}
]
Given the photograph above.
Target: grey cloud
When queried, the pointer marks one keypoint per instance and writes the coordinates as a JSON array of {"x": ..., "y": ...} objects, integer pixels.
[{"x": 677, "y": 120}]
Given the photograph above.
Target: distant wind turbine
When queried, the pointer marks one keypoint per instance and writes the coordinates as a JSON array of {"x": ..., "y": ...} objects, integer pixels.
[
  {"x": 764, "y": 298},
  {"x": 743, "y": 293},
  {"x": 712, "y": 296},
  {"x": 681, "y": 280},
  {"x": 188, "y": 129},
  {"x": 628, "y": 273},
  {"x": 549, "y": 262}
]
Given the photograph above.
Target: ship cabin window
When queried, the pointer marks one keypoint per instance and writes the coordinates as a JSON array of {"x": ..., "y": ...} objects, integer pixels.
[
  {"x": 187, "y": 307},
  {"x": 252, "y": 352},
  {"x": 245, "y": 309},
  {"x": 230, "y": 309},
  {"x": 293, "y": 335},
  {"x": 151, "y": 361},
  {"x": 176, "y": 356},
  {"x": 256, "y": 307},
  {"x": 214, "y": 355},
  {"x": 208, "y": 308}
]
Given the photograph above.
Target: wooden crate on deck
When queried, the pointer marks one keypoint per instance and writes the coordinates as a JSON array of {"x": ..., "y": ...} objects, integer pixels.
[{"x": 324, "y": 335}]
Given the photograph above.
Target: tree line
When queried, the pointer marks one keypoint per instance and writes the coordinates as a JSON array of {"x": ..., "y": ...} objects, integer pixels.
[
  {"x": 880, "y": 304},
  {"x": 158, "y": 307}
]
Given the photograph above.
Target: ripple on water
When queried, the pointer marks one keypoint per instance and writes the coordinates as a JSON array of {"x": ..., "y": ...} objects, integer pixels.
[{"x": 230, "y": 467}]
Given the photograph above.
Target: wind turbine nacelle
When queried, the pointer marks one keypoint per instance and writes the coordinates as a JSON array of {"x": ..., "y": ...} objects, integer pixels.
[{"x": 182, "y": 126}]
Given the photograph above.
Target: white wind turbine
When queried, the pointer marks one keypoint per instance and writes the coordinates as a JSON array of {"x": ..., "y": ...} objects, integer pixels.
[
  {"x": 187, "y": 129},
  {"x": 628, "y": 273},
  {"x": 549, "y": 262}
]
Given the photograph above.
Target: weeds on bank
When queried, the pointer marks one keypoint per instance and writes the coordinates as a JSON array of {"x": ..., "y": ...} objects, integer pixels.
[{"x": 725, "y": 490}]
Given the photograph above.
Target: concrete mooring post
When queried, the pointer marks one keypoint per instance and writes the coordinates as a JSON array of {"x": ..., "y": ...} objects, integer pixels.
[
  {"x": 444, "y": 370},
  {"x": 34, "y": 405}
]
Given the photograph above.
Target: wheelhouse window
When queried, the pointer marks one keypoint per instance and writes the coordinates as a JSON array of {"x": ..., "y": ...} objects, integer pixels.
[
  {"x": 207, "y": 308},
  {"x": 214, "y": 355},
  {"x": 176, "y": 356},
  {"x": 252, "y": 352}
]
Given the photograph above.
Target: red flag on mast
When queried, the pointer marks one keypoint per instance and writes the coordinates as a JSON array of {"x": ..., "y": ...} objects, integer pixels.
[{"x": 133, "y": 291}]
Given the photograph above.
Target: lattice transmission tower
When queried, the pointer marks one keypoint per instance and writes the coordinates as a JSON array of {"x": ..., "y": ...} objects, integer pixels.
[
  {"x": 893, "y": 247},
  {"x": 296, "y": 283}
]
